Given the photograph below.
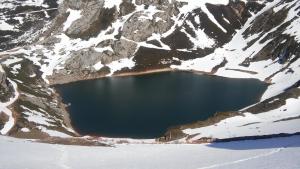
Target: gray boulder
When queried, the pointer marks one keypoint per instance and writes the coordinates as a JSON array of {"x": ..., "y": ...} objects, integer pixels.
[{"x": 86, "y": 58}]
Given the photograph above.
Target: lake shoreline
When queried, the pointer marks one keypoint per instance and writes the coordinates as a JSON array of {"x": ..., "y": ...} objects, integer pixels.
[
  {"x": 66, "y": 79},
  {"x": 184, "y": 81}
]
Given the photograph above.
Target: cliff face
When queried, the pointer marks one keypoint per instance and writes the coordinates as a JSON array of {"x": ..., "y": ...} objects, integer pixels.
[
  {"x": 125, "y": 30},
  {"x": 95, "y": 38}
]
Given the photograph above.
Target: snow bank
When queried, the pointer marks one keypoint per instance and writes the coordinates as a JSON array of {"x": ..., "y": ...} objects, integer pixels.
[
  {"x": 273, "y": 122},
  {"x": 73, "y": 16},
  {"x": 276, "y": 153},
  {"x": 111, "y": 4},
  {"x": 119, "y": 64},
  {"x": 5, "y": 26}
]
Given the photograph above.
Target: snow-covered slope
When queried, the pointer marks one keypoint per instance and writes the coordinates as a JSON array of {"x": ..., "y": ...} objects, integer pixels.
[
  {"x": 279, "y": 153},
  {"x": 96, "y": 38},
  {"x": 248, "y": 54},
  {"x": 22, "y": 20}
]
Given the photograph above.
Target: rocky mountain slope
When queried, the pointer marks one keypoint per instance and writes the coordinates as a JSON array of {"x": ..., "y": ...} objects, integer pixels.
[
  {"x": 23, "y": 20},
  {"x": 81, "y": 40}
]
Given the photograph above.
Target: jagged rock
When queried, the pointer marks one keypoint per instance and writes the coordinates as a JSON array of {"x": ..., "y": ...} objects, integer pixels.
[
  {"x": 86, "y": 58},
  {"x": 152, "y": 2},
  {"x": 94, "y": 18},
  {"x": 83, "y": 59},
  {"x": 126, "y": 7},
  {"x": 6, "y": 90},
  {"x": 138, "y": 29},
  {"x": 124, "y": 48},
  {"x": 266, "y": 21}
]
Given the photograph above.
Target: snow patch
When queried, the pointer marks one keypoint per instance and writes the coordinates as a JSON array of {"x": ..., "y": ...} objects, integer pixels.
[
  {"x": 120, "y": 64},
  {"x": 98, "y": 66},
  {"x": 5, "y": 26},
  {"x": 112, "y": 3},
  {"x": 25, "y": 130},
  {"x": 254, "y": 124},
  {"x": 4, "y": 108},
  {"x": 73, "y": 16}
]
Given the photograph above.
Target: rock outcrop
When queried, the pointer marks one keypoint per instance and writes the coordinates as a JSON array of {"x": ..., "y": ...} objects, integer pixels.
[
  {"x": 6, "y": 90},
  {"x": 123, "y": 27},
  {"x": 24, "y": 21},
  {"x": 2, "y": 77}
]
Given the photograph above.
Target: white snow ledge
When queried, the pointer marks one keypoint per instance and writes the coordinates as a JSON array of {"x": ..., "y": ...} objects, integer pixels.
[
  {"x": 3, "y": 109},
  {"x": 73, "y": 16}
]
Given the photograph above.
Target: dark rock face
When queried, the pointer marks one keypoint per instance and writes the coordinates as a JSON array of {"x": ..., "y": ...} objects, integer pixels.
[
  {"x": 266, "y": 22},
  {"x": 178, "y": 40},
  {"x": 280, "y": 47},
  {"x": 103, "y": 19},
  {"x": 152, "y": 2},
  {"x": 126, "y": 7},
  {"x": 6, "y": 90},
  {"x": 231, "y": 17},
  {"x": 3, "y": 79}
]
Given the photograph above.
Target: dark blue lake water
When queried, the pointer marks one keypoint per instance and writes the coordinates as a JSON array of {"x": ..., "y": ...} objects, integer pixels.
[{"x": 145, "y": 106}]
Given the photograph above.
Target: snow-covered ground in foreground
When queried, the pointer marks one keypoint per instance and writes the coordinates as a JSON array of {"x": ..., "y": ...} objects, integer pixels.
[{"x": 277, "y": 153}]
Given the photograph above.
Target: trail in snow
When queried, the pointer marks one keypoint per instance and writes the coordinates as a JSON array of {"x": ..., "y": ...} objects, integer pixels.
[
  {"x": 275, "y": 153},
  {"x": 64, "y": 156},
  {"x": 243, "y": 160}
]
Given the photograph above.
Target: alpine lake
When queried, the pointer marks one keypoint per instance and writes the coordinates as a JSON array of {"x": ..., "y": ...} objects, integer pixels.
[{"x": 145, "y": 106}]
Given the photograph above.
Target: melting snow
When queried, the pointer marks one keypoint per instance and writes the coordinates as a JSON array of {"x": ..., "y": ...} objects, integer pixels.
[
  {"x": 26, "y": 130},
  {"x": 112, "y": 3},
  {"x": 119, "y": 64},
  {"x": 254, "y": 124},
  {"x": 73, "y": 16},
  {"x": 98, "y": 66},
  {"x": 4, "y": 108}
]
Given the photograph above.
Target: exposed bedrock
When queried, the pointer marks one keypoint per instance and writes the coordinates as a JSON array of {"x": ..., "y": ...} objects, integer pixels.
[{"x": 6, "y": 89}]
